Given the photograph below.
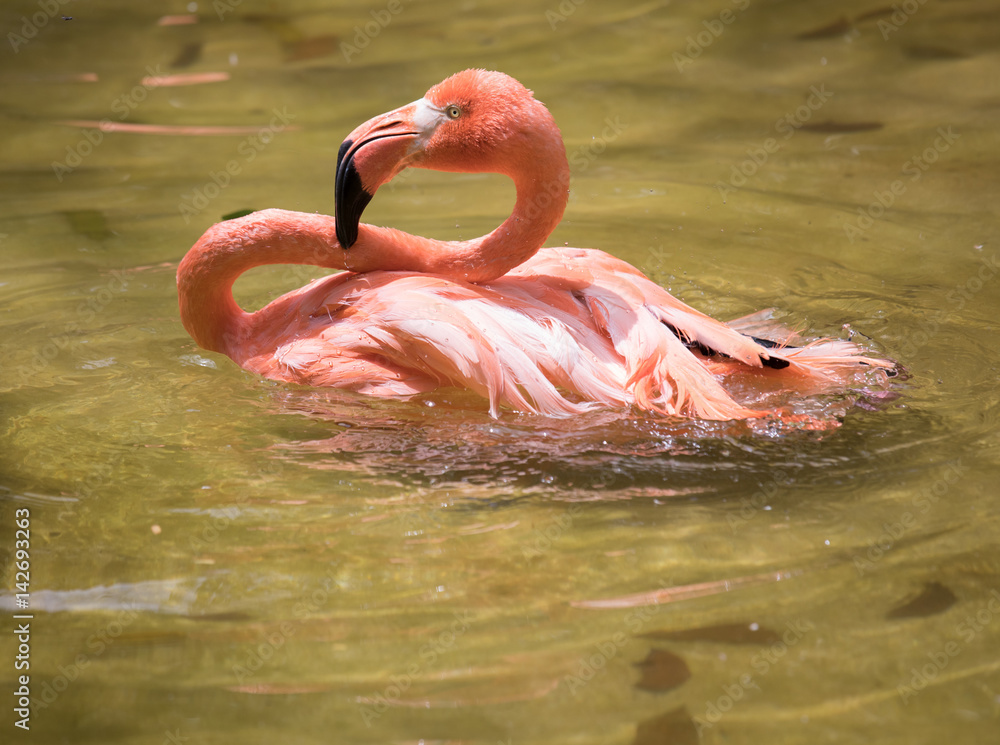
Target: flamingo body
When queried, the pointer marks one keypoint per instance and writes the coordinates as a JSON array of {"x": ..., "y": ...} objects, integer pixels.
[{"x": 556, "y": 331}]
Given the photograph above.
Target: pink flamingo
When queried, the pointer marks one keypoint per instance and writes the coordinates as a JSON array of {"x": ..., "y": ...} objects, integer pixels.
[{"x": 550, "y": 330}]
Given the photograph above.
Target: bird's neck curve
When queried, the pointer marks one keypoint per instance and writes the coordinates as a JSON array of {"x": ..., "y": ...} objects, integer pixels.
[
  {"x": 541, "y": 177},
  {"x": 206, "y": 275}
]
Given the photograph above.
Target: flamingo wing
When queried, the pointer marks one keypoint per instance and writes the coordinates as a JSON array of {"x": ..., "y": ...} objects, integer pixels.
[
  {"x": 568, "y": 330},
  {"x": 415, "y": 332},
  {"x": 649, "y": 330}
]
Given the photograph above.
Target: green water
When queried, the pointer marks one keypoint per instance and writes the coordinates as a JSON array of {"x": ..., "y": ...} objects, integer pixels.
[{"x": 216, "y": 559}]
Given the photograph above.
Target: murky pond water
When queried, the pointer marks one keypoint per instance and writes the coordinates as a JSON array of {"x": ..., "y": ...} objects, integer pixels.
[{"x": 215, "y": 558}]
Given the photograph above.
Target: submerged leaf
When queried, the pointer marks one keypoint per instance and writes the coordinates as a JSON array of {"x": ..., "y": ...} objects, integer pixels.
[
  {"x": 90, "y": 223},
  {"x": 188, "y": 55},
  {"x": 662, "y": 671},
  {"x": 673, "y": 728},
  {"x": 935, "y": 598}
]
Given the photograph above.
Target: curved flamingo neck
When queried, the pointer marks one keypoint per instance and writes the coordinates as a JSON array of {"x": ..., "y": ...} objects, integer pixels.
[
  {"x": 206, "y": 275},
  {"x": 542, "y": 183}
]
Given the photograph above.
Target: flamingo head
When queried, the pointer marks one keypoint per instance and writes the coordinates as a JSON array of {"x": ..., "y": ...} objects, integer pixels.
[{"x": 476, "y": 121}]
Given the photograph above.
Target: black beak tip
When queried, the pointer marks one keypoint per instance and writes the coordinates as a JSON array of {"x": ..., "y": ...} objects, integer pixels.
[
  {"x": 350, "y": 197},
  {"x": 346, "y": 235}
]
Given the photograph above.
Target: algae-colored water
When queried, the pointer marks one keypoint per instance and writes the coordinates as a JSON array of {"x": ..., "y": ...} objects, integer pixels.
[{"x": 215, "y": 558}]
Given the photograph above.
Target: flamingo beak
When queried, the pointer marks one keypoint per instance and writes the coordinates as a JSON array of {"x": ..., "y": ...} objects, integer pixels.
[{"x": 370, "y": 156}]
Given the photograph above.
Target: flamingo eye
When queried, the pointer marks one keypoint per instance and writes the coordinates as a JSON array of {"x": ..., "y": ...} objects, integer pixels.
[{"x": 453, "y": 112}]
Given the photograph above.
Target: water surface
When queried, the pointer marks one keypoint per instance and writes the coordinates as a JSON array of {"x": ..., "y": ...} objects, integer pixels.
[{"x": 225, "y": 559}]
